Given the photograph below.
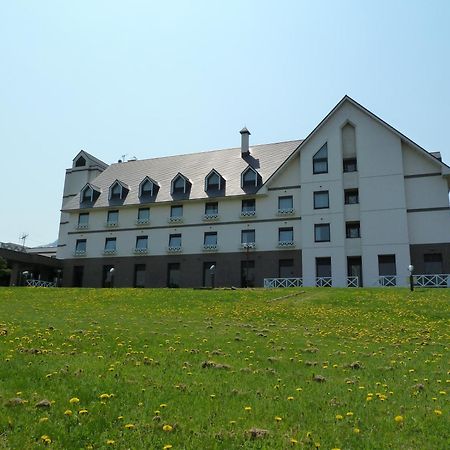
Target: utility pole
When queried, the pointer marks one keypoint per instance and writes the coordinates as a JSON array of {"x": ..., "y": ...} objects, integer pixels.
[{"x": 23, "y": 238}]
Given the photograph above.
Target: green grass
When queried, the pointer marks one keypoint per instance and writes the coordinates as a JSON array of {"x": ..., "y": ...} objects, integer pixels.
[{"x": 383, "y": 353}]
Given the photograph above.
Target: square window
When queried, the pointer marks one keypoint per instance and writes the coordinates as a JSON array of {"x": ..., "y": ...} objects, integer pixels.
[
  {"x": 285, "y": 234},
  {"x": 386, "y": 265},
  {"x": 175, "y": 240},
  {"x": 144, "y": 214},
  {"x": 110, "y": 244},
  {"x": 210, "y": 238},
  {"x": 83, "y": 220},
  {"x": 80, "y": 246},
  {"x": 211, "y": 208},
  {"x": 113, "y": 217},
  {"x": 141, "y": 242},
  {"x": 248, "y": 206},
  {"x": 352, "y": 230},
  {"x": 247, "y": 236},
  {"x": 285, "y": 203},
  {"x": 322, "y": 232},
  {"x": 350, "y": 165},
  {"x": 323, "y": 267},
  {"x": 351, "y": 196},
  {"x": 176, "y": 211},
  {"x": 321, "y": 200}
]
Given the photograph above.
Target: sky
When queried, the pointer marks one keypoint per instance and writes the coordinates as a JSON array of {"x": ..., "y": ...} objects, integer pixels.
[{"x": 147, "y": 79}]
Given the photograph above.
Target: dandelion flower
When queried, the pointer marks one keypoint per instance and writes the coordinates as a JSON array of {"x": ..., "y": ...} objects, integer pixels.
[
  {"x": 110, "y": 442},
  {"x": 46, "y": 439},
  {"x": 356, "y": 430},
  {"x": 247, "y": 408},
  {"x": 232, "y": 422},
  {"x": 438, "y": 412},
  {"x": 290, "y": 398},
  {"x": 399, "y": 419},
  {"x": 293, "y": 441},
  {"x": 43, "y": 419},
  {"x": 278, "y": 419},
  {"x": 74, "y": 400},
  {"x": 167, "y": 428},
  {"x": 67, "y": 412},
  {"x": 104, "y": 396},
  {"x": 167, "y": 447},
  {"x": 163, "y": 405},
  {"x": 339, "y": 417},
  {"x": 82, "y": 411},
  {"x": 129, "y": 426}
]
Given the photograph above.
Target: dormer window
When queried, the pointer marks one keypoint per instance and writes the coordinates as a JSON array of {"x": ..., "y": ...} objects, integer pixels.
[
  {"x": 89, "y": 194},
  {"x": 214, "y": 182},
  {"x": 320, "y": 160},
  {"x": 117, "y": 191},
  {"x": 80, "y": 162},
  {"x": 180, "y": 184},
  {"x": 148, "y": 188},
  {"x": 250, "y": 178}
]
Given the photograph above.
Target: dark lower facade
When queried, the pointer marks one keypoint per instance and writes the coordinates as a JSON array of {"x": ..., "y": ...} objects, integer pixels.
[
  {"x": 188, "y": 271},
  {"x": 430, "y": 258}
]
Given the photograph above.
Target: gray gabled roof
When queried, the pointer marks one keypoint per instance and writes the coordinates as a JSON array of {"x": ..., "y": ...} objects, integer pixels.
[{"x": 265, "y": 159}]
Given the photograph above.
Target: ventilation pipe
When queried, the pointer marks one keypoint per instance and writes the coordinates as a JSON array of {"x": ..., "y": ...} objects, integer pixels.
[{"x": 245, "y": 149}]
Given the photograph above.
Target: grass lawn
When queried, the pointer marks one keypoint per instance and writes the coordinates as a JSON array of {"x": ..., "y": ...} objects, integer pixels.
[{"x": 197, "y": 369}]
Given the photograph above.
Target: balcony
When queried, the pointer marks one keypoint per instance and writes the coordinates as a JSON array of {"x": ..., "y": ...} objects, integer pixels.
[
  {"x": 111, "y": 224},
  {"x": 177, "y": 219},
  {"x": 78, "y": 253},
  {"x": 286, "y": 212},
  {"x": 286, "y": 244},
  {"x": 248, "y": 246},
  {"x": 82, "y": 226},
  {"x": 210, "y": 217},
  {"x": 142, "y": 221},
  {"x": 210, "y": 248},
  {"x": 109, "y": 252}
]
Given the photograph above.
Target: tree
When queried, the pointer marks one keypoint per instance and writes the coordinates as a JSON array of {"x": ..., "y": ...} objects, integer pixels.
[{"x": 4, "y": 270}]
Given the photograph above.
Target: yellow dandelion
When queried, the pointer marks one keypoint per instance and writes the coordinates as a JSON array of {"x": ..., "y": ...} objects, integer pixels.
[
  {"x": 293, "y": 441},
  {"x": 46, "y": 439},
  {"x": 232, "y": 422},
  {"x": 129, "y": 426},
  {"x": 104, "y": 396},
  {"x": 167, "y": 447},
  {"x": 349, "y": 414},
  {"x": 163, "y": 405},
  {"x": 290, "y": 398},
  {"x": 110, "y": 442},
  {"x": 167, "y": 428},
  {"x": 399, "y": 419},
  {"x": 67, "y": 412},
  {"x": 438, "y": 412},
  {"x": 247, "y": 408},
  {"x": 74, "y": 400},
  {"x": 278, "y": 419},
  {"x": 157, "y": 412},
  {"x": 82, "y": 411},
  {"x": 317, "y": 444},
  {"x": 43, "y": 419},
  {"x": 339, "y": 417},
  {"x": 356, "y": 430}
]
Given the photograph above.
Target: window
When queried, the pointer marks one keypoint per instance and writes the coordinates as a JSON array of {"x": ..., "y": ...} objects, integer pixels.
[
  {"x": 143, "y": 215},
  {"x": 110, "y": 244},
  {"x": 321, "y": 200},
  {"x": 249, "y": 178},
  {"x": 248, "y": 207},
  {"x": 83, "y": 220},
  {"x": 350, "y": 165},
  {"x": 320, "y": 160},
  {"x": 116, "y": 192},
  {"x": 352, "y": 230},
  {"x": 323, "y": 267},
  {"x": 247, "y": 236},
  {"x": 173, "y": 275},
  {"x": 433, "y": 263},
  {"x": 351, "y": 196},
  {"x": 248, "y": 273},
  {"x": 141, "y": 243},
  {"x": 213, "y": 182},
  {"x": 179, "y": 185},
  {"x": 210, "y": 238},
  {"x": 80, "y": 246},
  {"x": 80, "y": 162},
  {"x": 286, "y": 268},
  {"x": 175, "y": 241},
  {"x": 113, "y": 218},
  {"x": 139, "y": 275},
  {"x": 211, "y": 208},
  {"x": 78, "y": 272},
  {"x": 386, "y": 265},
  {"x": 285, "y": 203},
  {"x": 322, "y": 232},
  {"x": 87, "y": 194},
  {"x": 285, "y": 235},
  {"x": 176, "y": 211}
]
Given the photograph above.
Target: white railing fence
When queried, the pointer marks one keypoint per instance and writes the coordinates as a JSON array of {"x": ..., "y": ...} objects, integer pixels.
[
  {"x": 40, "y": 283},
  {"x": 324, "y": 281},
  {"x": 387, "y": 280},
  {"x": 432, "y": 280},
  {"x": 352, "y": 282},
  {"x": 283, "y": 282}
]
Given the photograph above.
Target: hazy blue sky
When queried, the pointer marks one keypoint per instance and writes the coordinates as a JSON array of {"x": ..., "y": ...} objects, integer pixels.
[{"x": 147, "y": 78}]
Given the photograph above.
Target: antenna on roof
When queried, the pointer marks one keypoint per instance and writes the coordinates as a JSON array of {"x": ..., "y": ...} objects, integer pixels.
[{"x": 23, "y": 238}]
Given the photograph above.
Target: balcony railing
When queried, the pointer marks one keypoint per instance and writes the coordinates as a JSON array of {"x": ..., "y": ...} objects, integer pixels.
[
  {"x": 432, "y": 280},
  {"x": 210, "y": 247},
  {"x": 283, "y": 282},
  {"x": 387, "y": 280},
  {"x": 352, "y": 281},
  {"x": 111, "y": 224},
  {"x": 110, "y": 251},
  {"x": 286, "y": 244},
  {"x": 245, "y": 214},
  {"x": 40, "y": 283},
  {"x": 210, "y": 217},
  {"x": 79, "y": 253},
  {"x": 177, "y": 219},
  {"x": 177, "y": 249},
  {"x": 324, "y": 281},
  {"x": 142, "y": 221},
  {"x": 286, "y": 212},
  {"x": 82, "y": 226},
  {"x": 140, "y": 251},
  {"x": 248, "y": 246}
]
